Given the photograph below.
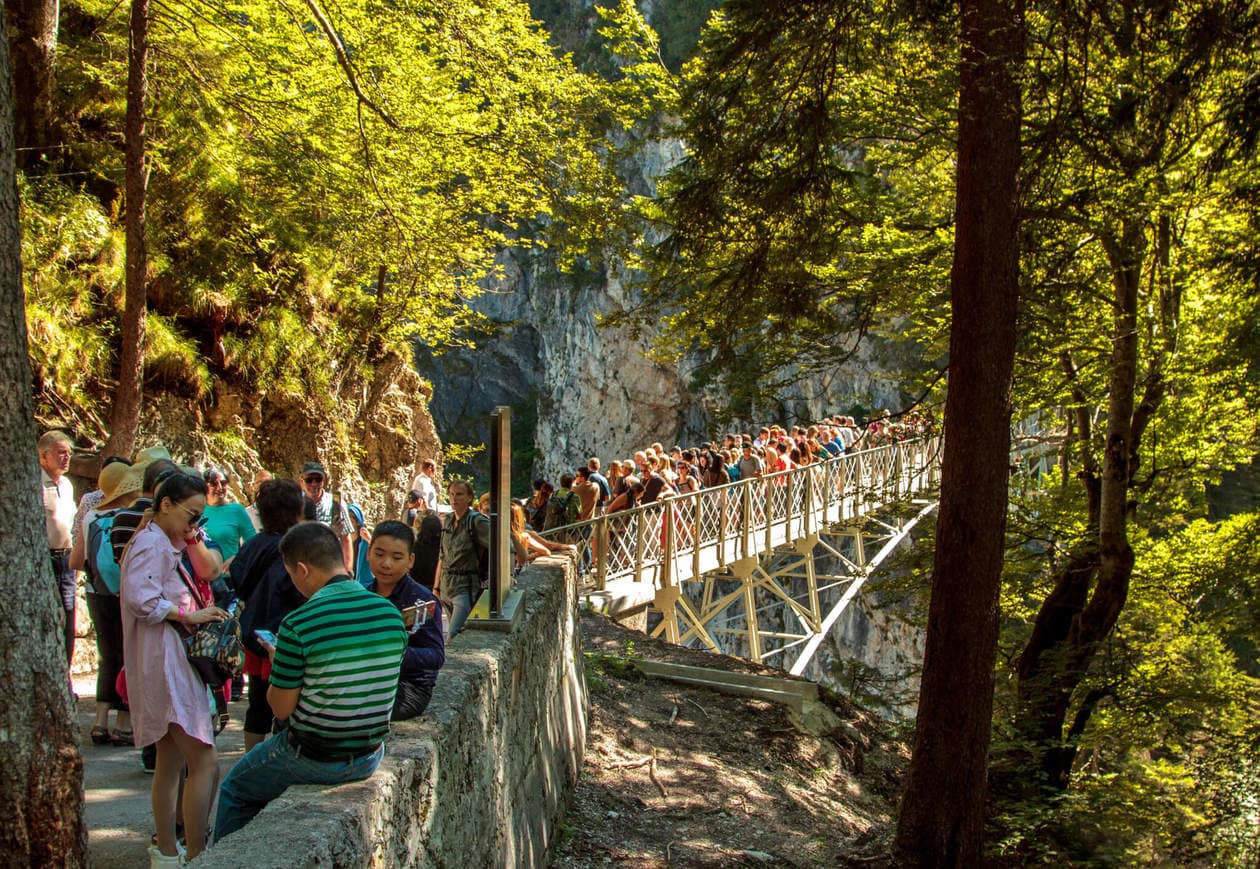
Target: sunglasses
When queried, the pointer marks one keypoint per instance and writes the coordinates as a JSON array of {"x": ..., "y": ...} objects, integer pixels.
[
  {"x": 198, "y": 519},
  {"x": 313, "y": 479}
]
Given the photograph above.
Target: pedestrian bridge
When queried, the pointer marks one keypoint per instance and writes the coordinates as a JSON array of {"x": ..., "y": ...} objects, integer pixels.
[{"x": 760, "y": 568}]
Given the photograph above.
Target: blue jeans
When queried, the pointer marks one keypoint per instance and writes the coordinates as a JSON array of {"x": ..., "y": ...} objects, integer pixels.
[
  {"x": 461, "y": 606},
  {"x": 268, "y": 769}
]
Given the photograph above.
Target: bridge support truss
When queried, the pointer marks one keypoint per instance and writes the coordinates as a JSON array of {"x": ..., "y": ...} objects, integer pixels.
[{"x": 776, "y": 607}]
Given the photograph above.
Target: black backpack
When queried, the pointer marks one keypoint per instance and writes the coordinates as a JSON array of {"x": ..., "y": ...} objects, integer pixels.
[{"x": 561, "y": 511}]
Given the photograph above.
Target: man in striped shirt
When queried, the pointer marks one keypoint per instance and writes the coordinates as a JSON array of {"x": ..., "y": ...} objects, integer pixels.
[{"x": 334, "y": 672}]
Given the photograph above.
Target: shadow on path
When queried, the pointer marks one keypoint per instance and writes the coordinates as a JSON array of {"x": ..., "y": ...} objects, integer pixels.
[{"x": 116, "y": 788}]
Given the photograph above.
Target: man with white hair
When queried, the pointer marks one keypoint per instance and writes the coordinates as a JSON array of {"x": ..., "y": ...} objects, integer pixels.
[{"x": 55, "y": 449}]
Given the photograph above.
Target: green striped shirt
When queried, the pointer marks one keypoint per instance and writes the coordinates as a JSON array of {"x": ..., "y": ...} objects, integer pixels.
[{"x": 343, "y": 648}]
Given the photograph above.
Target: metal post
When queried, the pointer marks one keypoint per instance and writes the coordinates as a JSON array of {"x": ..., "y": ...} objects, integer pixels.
[
  {"x": 667, "y": 568},
  {"x": 601, "y": 561},
  {"x": 695, "y": 534},
  {"x": 638, "y": 517},
  {"x": 500, "y": 509},
  {"x": 723, "y": 507},
  {"x": 747, "y": 518},
  {"x": 499, "y": 608}
]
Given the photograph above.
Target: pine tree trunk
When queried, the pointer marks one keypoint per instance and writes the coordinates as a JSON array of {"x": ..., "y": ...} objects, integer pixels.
[
  {"x": 125, "y": 414},
  {"x": 41, "y": 790},
  {"x": 34, "y": 47},
  {"x": 943, "y": 810}
]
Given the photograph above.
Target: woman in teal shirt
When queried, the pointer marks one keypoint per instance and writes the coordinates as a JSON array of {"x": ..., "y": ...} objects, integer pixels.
[{"x": 227, "y": 523}]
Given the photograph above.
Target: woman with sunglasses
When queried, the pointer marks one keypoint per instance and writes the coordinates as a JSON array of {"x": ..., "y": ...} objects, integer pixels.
[
  {"x": 169, "y": 703},
  {"x": 227, "y": 523}
]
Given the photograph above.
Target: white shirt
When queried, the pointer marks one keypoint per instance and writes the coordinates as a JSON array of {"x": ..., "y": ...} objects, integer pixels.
[
  {"x": 59, "y": 510},
  {"x": 424, "y": 485}
]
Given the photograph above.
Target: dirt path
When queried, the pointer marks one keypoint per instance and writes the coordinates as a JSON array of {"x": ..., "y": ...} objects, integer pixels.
[
  {"x": 116, "y": 789},
  {"x": 733, "y": 781}
]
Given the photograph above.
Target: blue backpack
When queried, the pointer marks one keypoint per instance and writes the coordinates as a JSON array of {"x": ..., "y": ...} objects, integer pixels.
[
  {"x": 99, "y": 562},
  {"x": 358, "y": 547}
]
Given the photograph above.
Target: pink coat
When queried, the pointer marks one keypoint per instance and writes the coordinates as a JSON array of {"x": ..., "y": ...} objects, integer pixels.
[{"x": 162, "y": 687}]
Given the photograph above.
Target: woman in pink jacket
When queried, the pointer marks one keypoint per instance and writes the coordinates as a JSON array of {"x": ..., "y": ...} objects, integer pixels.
[{"x": 169, "y": 702}]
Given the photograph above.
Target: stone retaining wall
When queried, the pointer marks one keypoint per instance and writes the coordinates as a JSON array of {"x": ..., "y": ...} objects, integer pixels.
[{"x": 482, "y": 779}]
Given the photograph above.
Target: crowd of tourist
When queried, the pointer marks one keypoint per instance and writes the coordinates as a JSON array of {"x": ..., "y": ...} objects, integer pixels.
[
  {"x": 343, "y": 625},
  {"x": 654, "y": 473}
]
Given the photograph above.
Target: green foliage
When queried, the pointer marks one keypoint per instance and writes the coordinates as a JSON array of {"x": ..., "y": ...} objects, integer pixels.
[
  {"x": 814, "y": 204},
  {"x": 328, "y": 184},
  {"x": 72, "y": 259},
  {"x": 1167, "y": 769},
  {"x": 173, "y": 361}
]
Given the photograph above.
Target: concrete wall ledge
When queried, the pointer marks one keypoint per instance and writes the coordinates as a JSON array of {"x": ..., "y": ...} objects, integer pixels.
[{"x": 481, "y": 779}]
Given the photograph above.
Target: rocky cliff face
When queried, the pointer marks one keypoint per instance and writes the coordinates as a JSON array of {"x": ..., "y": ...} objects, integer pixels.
[
  {"x": 578, "y": 389},
  {"x": 372, "y": 451}
]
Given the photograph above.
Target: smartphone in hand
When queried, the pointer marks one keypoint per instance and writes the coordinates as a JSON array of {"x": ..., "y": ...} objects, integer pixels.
[
  {"x": 266, "y": 639},
  {"x": 417, "y": 615}
]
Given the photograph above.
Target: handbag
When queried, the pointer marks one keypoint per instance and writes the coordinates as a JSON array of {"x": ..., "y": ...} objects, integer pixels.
[{"x": 215, "y": 649}]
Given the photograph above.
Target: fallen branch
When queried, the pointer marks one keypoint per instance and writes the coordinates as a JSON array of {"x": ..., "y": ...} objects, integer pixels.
[
  {"x": 698, "y": 706},
  {"x": 652, "y": 775},
  {"x": 672, "y": 715},
  {"x": 630, "y": 764}
]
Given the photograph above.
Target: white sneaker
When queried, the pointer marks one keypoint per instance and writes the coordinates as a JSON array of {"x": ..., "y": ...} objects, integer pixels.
[{"x": 158, "y": 860}]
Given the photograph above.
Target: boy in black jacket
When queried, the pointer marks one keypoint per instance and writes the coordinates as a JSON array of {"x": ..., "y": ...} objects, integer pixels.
[{"x": 391, "y": 556}]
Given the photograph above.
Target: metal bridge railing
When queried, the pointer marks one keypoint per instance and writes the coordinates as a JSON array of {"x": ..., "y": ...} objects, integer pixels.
[{"x": 683, "y": 537}]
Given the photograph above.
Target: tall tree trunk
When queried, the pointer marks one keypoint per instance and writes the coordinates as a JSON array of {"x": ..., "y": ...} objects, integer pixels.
[
  {"x": 942, "y": 813},
  {"x": 34, "y": 47},
  {"x": 125, "y": 414},
  {"x": 41, "y": 791},
  {"x": 1073, "y": 622}
]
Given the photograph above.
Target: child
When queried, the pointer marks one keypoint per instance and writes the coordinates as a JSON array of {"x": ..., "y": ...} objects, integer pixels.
[{"x": 391, "y": 556}]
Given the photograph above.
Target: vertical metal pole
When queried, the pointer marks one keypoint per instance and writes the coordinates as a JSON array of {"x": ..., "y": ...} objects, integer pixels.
[
  {"x": 745, "y": 533},
  {"x": 667, "y": 569},
  {"x": 767, "y": 497},
  {"x": 723, "y": 507},
  {"x": 638, "y": 517},
  {"x": 750, "y": 617},
  {"x": 500, "y": 508},
  {"x": 601, "y": 562},
  {"x": 789, "y": 504},
  {"x": 695, "y": 534}
]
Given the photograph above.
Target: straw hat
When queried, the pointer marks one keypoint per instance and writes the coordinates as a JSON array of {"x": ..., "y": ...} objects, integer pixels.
[
  {"x": 118, "y": 480},
  {"x": 151, "y": 454}
]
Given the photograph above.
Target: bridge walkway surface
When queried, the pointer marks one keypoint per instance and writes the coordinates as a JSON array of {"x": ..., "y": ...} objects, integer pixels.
[{"x": 759, "y": 568}]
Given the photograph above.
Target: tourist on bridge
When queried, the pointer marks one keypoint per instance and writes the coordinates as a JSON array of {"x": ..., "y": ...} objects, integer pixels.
[
  {"x": 605, "y": 486},
  {"x": 687, "y": 481},
  {"x": 749, "y": 464},
  {"x": 338, "y": 705},
  {"x": 465, "y": 536},
  {"x": 391, "y": 556},
  {"x": 589, "y": 494},
  {"x": 536, "y": 509}
]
